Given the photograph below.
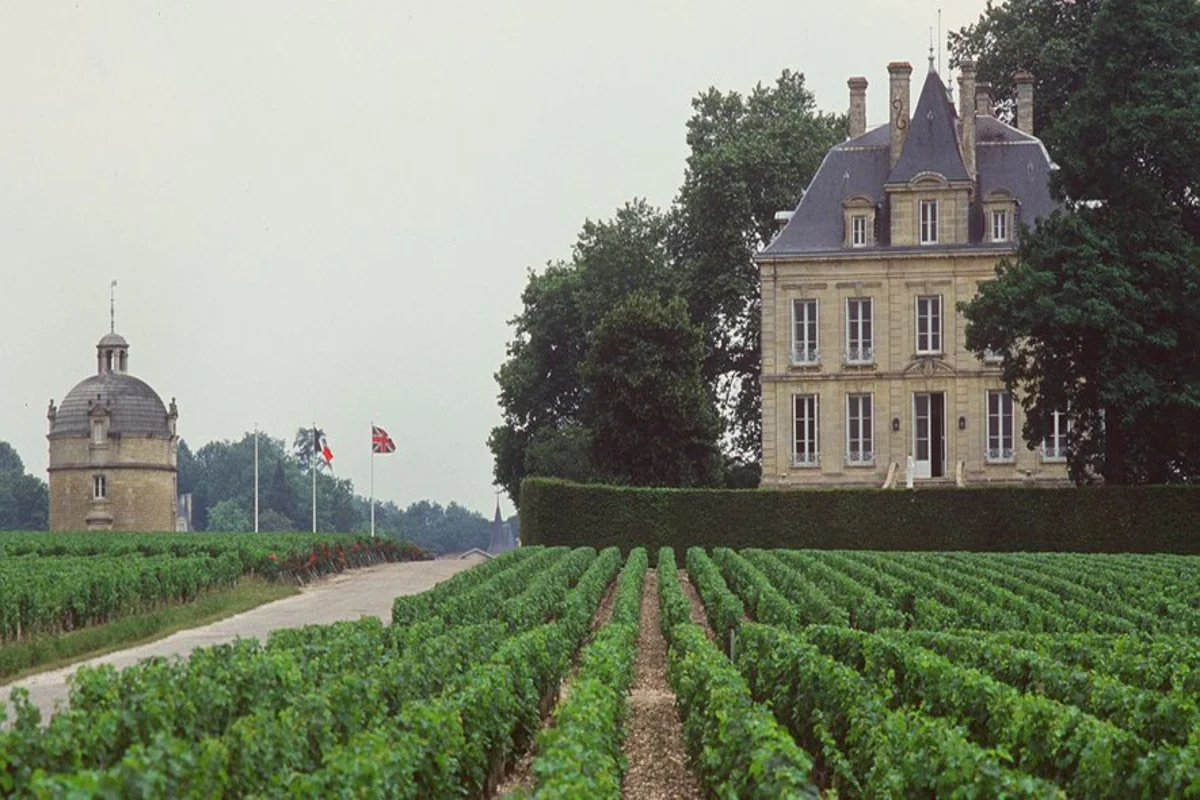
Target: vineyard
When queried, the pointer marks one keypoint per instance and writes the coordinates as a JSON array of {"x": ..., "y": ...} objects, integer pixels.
[
  {"x": 795, "y": 673},
  {"x": 54, "y": 583}
]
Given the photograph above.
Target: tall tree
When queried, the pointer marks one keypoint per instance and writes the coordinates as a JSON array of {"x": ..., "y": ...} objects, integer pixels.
[
  {"x": 1044, "y": 37},
  {"x": 751, "y": 156},
  {"x": 304, "y": 449},
  {"x": 653, "y": 421},
  {"x": 280, "y": 494},
  {"x": 540, "y": 384},
  {"x": 1099, "y": 313},
  {"x": 24, "y": 499}
]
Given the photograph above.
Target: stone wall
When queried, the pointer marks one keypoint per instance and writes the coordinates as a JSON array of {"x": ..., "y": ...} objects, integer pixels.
[{"x": 140, "y": 474}]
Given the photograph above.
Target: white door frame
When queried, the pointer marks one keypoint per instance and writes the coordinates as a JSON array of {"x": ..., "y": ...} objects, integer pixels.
[{"x": 923, "y": 468}]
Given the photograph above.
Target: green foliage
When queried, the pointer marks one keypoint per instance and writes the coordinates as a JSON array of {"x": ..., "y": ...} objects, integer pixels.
[
  {"x": 581, "y": 756},
  {"x": 227, "y": 516},
  {"x": 865, "y": 747},
  {"x": 352, "y": 708},
  {"x": 24, "y": 499},
  {"x": 52, "y": 583},
  {"x": 750, "y": 157},
  {"x": 1111, "y": 519},
  {"x": 653, "y": 423},
  {"x": 736, "y": 747},
  {"x": 48, "y": 651},
  {"x": 541, "y": 388},
  {"x": 432, "y": 526},
  {"x": 1099, "y": 313},
  {"x": 1044, "y": 37}
]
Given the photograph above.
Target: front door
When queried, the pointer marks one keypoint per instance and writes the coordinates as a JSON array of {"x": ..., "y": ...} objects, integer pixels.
[{"x": 929, "y": 434}]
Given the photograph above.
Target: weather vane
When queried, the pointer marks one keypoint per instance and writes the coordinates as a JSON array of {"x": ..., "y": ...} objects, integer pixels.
[{"x": 112, "y": 306}]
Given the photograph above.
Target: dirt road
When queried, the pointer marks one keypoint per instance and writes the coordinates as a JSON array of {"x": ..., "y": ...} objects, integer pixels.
[{"x": 349, "y": 595}]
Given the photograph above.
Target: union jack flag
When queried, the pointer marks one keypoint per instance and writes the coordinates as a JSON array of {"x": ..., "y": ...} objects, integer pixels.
[{"x": 380, "y": 441}]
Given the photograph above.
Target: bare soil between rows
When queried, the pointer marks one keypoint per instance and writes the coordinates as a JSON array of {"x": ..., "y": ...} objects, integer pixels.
[
  {"x": 658, "y": 768},
  {"x": 520, "y": 777}
]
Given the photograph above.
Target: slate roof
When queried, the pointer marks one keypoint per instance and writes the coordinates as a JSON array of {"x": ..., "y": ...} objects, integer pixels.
[
  {"x": 134, "y": 408},
  {"x": 1005, "y": 158},
  {"x": 932, "y": 143}
]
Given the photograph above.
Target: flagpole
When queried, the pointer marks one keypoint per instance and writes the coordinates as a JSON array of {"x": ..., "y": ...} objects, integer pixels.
[
  {"x": 372, "y": 480},
  {"x": 256, "y": 477},
  {"x": 312, "y": 467}
]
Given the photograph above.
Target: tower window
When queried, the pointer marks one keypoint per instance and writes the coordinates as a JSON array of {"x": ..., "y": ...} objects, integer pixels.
[{"x": 99, "y": 487}]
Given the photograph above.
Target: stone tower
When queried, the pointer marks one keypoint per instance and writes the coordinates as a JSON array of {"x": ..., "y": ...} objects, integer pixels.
[{"x": 112, "y": 451}]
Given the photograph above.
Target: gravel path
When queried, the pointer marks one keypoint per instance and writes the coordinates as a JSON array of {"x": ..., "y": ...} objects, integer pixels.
[
  {"x": 345, "y": 596},
  {"x": 654, "y": 742}
]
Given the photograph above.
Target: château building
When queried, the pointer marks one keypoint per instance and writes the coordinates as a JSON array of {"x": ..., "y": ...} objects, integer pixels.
[
  {"x": 864, "y": 362},
  {"x": 112, "y": 451}
]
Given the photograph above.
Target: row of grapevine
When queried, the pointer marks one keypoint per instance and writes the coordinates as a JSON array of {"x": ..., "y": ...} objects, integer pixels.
[
  {"x": 580, "y": 754},
  {"x": 72, "y": 583},
  {"x": 1037, "y": 689},
  {"x": 427, "y": 709},
  {"x": 737, "y": 747}
]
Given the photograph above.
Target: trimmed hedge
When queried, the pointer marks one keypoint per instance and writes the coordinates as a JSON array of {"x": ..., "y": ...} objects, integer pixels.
[{"x": 1111, "y": 519}]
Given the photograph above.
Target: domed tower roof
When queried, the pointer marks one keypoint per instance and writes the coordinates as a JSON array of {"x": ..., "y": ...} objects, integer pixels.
[
  {"x": 113, "y": 339},
  {"x": 133, "y": 407}
]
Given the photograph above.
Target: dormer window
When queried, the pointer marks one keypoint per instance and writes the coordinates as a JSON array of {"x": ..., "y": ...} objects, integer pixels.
[
  {"x": 929, "y": 221},
  {"x": 1000, "y": 225},
  {"x": 858, "y": 230},
  {"x": 999, "y": 210},
  {"x": 859, "y": 220},
  {"x": 99, "y": 434}
]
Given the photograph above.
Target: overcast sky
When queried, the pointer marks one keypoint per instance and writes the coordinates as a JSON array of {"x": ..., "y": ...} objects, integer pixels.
[{"x": 325, "y": 211}]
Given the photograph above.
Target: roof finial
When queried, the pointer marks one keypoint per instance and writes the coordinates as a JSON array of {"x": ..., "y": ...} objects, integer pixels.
[
  {"x": 931, "y": 69},
  {"x": 112, "y": 306}
]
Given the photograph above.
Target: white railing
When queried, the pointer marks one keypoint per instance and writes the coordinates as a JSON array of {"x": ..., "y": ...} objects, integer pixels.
[
  {"x": 860, "y": 355},
  {"x": 1052, "y": 453},
  {"x": 806, "y": 459},
  {"x": 860, "y": 457},
  {"x": 803, "y": 355},
  {"x": 999, "y": 455},
  {"x": 992, "y": 357}
]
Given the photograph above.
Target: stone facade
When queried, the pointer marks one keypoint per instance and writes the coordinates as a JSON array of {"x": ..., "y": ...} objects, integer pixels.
[
  {"x": 112, "y": 452},
  {"x": 864, "y": 359}
]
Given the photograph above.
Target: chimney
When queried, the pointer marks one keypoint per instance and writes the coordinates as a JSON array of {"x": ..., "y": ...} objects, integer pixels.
[
  {"x": 898, "y": 109},
  {"x": 1024, "y": 102},
  {"x": 966, "y": 97},
  {"x": 858, "y": 106},
  {"x": 983, "y": 99}
]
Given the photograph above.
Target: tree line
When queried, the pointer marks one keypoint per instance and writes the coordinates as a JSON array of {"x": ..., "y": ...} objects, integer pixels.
[
  {"x": 636, "y": 360},
  {"x": 220, "y": 478}
]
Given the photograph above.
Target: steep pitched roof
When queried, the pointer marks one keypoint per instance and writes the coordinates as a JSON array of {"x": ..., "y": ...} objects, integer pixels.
[
  {"x": 1005, "y": 159},
  {"x": 932, "y": 144},
  {"x": 856, "y": 167}
]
